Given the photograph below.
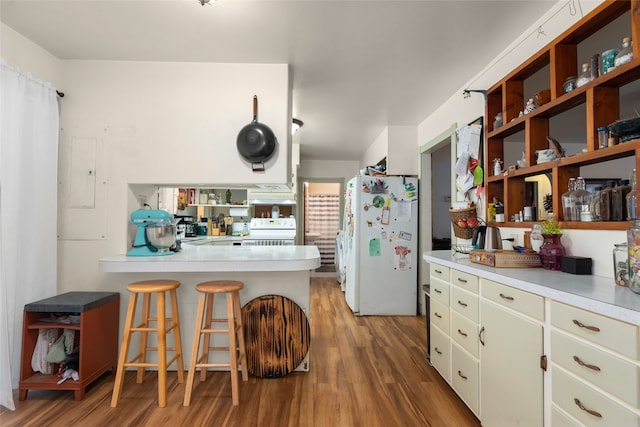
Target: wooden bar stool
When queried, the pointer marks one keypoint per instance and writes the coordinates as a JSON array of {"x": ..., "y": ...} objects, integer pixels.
[
  {"x": 164, "y": 325},
  {"x": 204, "y": 319}
]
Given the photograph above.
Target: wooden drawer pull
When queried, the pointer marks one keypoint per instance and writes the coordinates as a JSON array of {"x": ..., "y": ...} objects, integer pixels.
[
  {"x": 438, "y": 351},
  {"x": 588, "y": 411},
  {"x": 464, "y": 304},
  {"x": 586, "y": 365},
  {"x": 437, "y": 271},
  {"x": 582, "y": 325},
  {"x": 435, "y": 313},
  {"x": 503, "y": 296},
  {"x": 462, "y": 280},
  {"x": 462, "y": 376},
  {"x": 437, "y": 291},
  {"x": 462, "y": 333}
]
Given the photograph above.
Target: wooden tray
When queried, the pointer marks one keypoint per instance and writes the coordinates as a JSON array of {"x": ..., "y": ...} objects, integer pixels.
[{"x": 503, "y": 258}]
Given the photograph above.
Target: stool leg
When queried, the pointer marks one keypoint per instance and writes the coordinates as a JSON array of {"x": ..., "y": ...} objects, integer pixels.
[
  {"x": 194, "y": 350},
  {"x": 162, "y": 351},
  {"x": 124, "y": 350},
  {"x": 233, "y": 349},
  {"x": 240, "y": 331},
  {"x": 177, "y": 338},
  {"x": 207, "y": 336},
  {"x": 144, "y": 335}
]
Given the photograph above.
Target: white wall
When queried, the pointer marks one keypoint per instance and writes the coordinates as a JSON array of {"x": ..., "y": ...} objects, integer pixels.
[
  {"x": 22, "y": 53},
  {"x": 328, "y": 169},
  {"x": 378, "y": 150},
  {"x": 398, "y": 145},
  {"x": 462, "y": 110}
]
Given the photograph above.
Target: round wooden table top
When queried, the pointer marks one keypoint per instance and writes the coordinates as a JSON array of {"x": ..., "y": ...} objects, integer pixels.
[{"x": 277, "y": 335}]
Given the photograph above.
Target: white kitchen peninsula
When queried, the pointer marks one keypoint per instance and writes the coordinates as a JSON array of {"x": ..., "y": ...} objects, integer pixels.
[{"x": 265, "y": 270}]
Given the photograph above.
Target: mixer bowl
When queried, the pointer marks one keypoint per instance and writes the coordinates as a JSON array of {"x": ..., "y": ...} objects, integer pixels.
[{"x": 161, "y": 236}]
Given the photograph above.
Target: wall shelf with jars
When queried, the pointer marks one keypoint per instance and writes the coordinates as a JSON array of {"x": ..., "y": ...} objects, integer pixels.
[{"x": 597, "y": 103}]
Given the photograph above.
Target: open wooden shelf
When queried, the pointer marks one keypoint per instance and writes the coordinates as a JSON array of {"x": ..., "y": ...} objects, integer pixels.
[{"x": 601, "y": 101}]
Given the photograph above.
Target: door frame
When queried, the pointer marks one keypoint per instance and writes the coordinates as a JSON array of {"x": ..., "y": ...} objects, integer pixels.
[
  {"x": 425, "y": 197},
  {"x": 300, "y": 203}
]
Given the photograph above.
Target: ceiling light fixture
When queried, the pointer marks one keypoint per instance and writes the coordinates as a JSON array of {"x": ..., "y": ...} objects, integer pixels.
[{"x": 297, "y": 124}]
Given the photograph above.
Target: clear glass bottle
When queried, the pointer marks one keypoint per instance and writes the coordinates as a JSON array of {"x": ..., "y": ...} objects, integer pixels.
[
  {"x": 585, "y": 76},
  {"x": 619, "y": 201},
  {"x": 631, "y": 197},
  {"x": 605, "y": 201},
  {"x": 580, "y": 199},
  {"x": 626, "y": 53},
  {"x": 567, "y": 203},
  {"x": 594, "y": 205},
  {"x": 633, "y": 244}
]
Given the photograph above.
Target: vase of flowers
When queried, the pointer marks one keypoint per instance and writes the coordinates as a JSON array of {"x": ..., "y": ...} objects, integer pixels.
[{"x": 551, "y": 250}]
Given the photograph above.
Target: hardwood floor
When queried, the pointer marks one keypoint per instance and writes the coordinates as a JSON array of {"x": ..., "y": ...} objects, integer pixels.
[{"x": 364, "y": 371}]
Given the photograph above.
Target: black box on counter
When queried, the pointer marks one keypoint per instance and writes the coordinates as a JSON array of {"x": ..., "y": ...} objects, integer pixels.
[{"x": 576, "y": 265}]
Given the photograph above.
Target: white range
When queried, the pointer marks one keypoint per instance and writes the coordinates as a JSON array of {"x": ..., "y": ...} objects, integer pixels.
[{"x": 271, "y": 232}]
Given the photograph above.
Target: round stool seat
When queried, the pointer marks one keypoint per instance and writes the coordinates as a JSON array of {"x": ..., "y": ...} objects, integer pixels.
[
  {"x": 149, "y": 286},
  {"x": 219, "y": 286}
]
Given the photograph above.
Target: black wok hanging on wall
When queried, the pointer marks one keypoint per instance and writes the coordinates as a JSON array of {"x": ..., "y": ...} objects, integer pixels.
[{"x": 256, "y": 141}]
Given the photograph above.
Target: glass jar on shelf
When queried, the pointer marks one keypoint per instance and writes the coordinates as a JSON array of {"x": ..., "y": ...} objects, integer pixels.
[
  {"x": 585, "y": 76},
  {"x": 594, "y": 205},
  {"x": 608, "y": 60},
  {"x": 580, "y": 199},
  {"x": 619, "y": 201},
  {"x": 626, "y": 53},
  {"x": 567, "y": 202}
]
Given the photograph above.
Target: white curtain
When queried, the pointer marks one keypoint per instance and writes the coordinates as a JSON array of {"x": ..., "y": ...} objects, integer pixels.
[
  {"x": 322, "y": 215},
  {"x": 28, "y": 209}
]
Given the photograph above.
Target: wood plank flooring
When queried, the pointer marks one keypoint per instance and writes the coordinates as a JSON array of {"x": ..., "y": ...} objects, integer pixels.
[{"x": 364, "y": 371}]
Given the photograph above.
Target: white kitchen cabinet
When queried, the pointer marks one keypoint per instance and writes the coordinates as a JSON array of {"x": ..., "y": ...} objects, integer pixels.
[
  {"x": 511, "y": 379},
  {"x": 465, "y": 377},
  {"x": 593, "y": 373},
  {"x": 440, "y": 351},
  {"x": 596, "y": 371},
  {"x": 440, "y": 354}
]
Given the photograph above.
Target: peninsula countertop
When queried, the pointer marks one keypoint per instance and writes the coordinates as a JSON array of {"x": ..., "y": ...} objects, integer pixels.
[
  {"x": 206, "y": 258},
  {"x": 594, "y": 293}
]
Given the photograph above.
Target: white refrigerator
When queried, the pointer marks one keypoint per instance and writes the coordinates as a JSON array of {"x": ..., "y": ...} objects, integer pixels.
[{"x": 380, "y": 245}]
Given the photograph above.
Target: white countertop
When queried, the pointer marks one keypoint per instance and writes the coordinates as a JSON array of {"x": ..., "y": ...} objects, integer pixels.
[
  {"x": 208, "y": 258},
  {"x": 594, "y": 293}
]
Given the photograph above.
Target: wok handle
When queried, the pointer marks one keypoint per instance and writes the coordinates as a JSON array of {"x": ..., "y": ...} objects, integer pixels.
[{"x": 255, "y": 108}]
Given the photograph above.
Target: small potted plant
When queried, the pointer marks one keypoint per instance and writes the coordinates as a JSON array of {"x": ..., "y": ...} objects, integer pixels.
[{"x": 551, "y": 251}]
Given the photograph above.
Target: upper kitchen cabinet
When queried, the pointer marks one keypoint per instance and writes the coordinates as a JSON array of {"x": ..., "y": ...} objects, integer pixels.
[{"x": 570, "y": 116}]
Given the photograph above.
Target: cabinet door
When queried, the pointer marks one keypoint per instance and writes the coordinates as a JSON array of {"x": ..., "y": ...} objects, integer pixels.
[
  {"x": 511, "y": 380},
  {"x": 440, "y": 353}
]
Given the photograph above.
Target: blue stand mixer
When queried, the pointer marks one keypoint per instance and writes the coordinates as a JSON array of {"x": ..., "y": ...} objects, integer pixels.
[{"x": 155, "y": 234}]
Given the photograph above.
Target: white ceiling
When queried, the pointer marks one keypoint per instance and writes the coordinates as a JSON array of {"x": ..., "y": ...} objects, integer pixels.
[{"x": 357, "y": 66}]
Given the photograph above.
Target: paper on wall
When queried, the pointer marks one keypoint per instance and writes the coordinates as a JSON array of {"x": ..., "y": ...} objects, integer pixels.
[
  {"x": 464, "y": 182},
  {"x": 469, "y": 140},
  {"x": 463, "y": 163}
]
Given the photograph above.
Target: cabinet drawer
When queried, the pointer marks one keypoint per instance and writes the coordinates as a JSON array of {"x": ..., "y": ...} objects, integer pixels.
[
  {"x": 465, "y": 281},
  {"x": 439, "y": 290},
  {"x": 618, "y": 336},
  {"x": 440, "y": 354},
  {"x": 587, "y": 405},
  {"x": 465, "y": 303},
  {"x": 464, "y": 377},
  {"x": 524, "y": 302},
  {"x": 439, "y": 271},
  {"x": 611, "y": 373},
  {"x": 560, "y": 419},
  {"x": 465, "y": 333},
  {"x": 439, "y": 316}
]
